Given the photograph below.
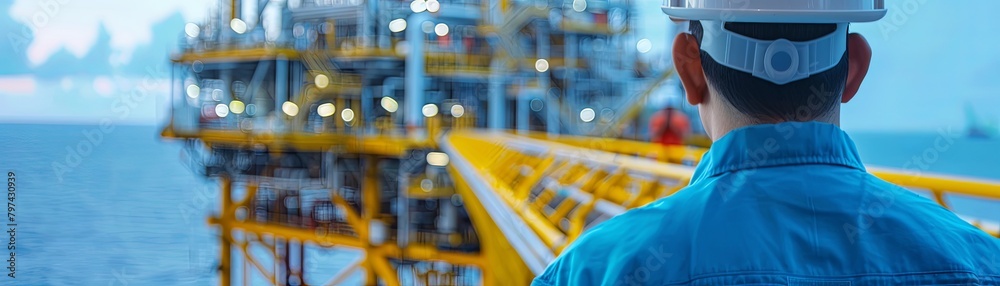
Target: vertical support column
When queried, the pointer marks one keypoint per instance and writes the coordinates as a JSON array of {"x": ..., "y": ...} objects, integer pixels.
[
  {"x": 366, "y": 110},
  {"x": 403, "y": 210},
  {"x": 224, "y": 18},
  {"x": 331, "y": 35},
  {"x": 448, "y": 220},
  {"x": 551, "y": 113},
  {"x": 414, "y": 79},
  {"x": 371, "y": 202},
  {"x": 183, "y": 116},
  {"x": 496, "y": 113},
  {"x": 226, "y": 236},
  {"x": 227, "y": 93},
  {"x": 287, "y": 256},
  {"x": 280, "y": 90},
  {"x": 370, "y": 190},
  {"x": 383, "y": 34},
  {"x": 367, "y": 27},
  {"x": 234, "y": 13},
  {"x": 330, "y": 171},
  {"x": 569, "y": 82},
  {"x": 521, "y": 100},
  {"x": 302, "y": 263}
]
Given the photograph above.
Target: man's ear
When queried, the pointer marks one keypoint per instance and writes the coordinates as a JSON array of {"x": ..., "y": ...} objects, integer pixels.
[
  {"x": 687, "y": 62},
  {"x": 859, "y": 58}
]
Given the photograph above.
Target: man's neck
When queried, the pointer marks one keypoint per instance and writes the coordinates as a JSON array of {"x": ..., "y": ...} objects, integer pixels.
[{"x": 722, "y": 125}]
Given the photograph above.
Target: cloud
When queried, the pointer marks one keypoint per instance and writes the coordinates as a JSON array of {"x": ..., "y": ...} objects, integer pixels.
[
  {"x": 74, "y": 24},
  {"x": 17, "y": 85}
]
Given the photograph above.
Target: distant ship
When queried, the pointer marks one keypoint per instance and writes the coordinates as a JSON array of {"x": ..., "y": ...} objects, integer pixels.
[{"x": 978, "y": 127}]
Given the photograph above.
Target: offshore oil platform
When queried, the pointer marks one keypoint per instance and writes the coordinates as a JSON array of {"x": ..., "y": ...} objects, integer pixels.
[{"x": 450, "y": 142}]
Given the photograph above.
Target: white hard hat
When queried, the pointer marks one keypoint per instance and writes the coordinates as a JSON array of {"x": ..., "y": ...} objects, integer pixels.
[
  {"x": 779, "y": 61},
  {"x": 777, "y": 11}
]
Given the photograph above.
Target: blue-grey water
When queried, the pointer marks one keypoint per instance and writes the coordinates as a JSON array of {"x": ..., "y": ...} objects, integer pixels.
[{"x": 129, "y": 212}]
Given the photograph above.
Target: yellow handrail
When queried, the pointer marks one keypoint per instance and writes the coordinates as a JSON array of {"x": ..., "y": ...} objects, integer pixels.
[{"x": 557, "y": 185}]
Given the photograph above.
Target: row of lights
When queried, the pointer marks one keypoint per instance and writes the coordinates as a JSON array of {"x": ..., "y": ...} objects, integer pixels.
[
  {"x": 644, "y": 46},
  {"x": 234, "y": 107},
  {"x": 418, "y": 6},
  {"x": 324, "y": 110},
  {"x": 440, "y": 29},
  {"x": 328, "y": 109},
  {"x": 192, "y": 30}
]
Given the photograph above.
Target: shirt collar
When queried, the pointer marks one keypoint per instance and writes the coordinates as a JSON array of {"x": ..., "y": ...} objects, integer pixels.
[{"x": 769, "y": 145}]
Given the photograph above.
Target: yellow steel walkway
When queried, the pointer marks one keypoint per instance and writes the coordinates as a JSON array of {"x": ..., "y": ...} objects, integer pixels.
[
  {"x": 527, "y": 196},
  {"x": 538, "y": 195}
]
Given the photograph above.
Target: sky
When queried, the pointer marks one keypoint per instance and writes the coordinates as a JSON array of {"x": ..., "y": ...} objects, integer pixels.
[
  {"x": 74, "y": 24},
  {"x": 930, "y": 60}
]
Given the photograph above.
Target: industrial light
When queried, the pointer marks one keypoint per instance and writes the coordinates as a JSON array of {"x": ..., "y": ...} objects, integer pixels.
[
  {"x": 644, "y": 46},
  {"x": 542, "y": 65},
  {"x": 221, "y": 110},
  {"x": 389, "y": 104},
  {"x": 457, "y": 110},
  {"x": 238, "y": 26},
  {"x": 433, "y": 6},
  {"x": 427, "y": 185},
  {"x": 402, "y": 48},
  {"x": 587, "y": 114},
  {"x": 326, "y": 109},
  {"x": 251, "y": 109},
  {"x": 290, "y": 108},
  {"x": 397, "y": 25},
  {"x": 579, "y": 5},
  {"x": 418, "y": 6},
  {"x": 437, "y": 159},
  {"x": 441, "y": 29},
  {"x": 347, "y": 115},
  {"x": 321, "y": 81},
  {"x": 427, "y": 27},
  {"x": 217, "y": 94},
  {"x": 192, "y": 30},
  {"x": 193, "y": 91},
  {"x": 430, "y": 110},
  {"x": 237, "y": 106},
  {"x": 536, "y": 104}
]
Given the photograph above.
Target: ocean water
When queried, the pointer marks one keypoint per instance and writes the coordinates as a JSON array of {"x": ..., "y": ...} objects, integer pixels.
[
  {"x": 944, "y": 152},
  {"x": 129, "y": 212}
]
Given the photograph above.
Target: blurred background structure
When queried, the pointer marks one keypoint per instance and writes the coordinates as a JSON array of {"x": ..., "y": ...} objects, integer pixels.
[
  {"x": 441, "y": 142},
  {"x": 382, "y": 126},
  {"x": 338, "y": 123}
]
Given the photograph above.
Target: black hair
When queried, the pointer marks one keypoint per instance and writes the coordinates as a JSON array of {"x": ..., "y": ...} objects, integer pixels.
[{"x": 802, "y": 100}]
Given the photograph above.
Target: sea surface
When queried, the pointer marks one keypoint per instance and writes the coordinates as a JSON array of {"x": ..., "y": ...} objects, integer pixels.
[{"x": 128, "y": 211}]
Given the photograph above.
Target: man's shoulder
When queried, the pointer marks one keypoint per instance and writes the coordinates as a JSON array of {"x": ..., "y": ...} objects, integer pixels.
[
  {"x": 665, "y": 216},
  {"x": 613, "y": 251}
]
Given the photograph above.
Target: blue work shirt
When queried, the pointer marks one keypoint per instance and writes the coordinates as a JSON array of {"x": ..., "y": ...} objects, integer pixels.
[{"x": 782, "y": 204}]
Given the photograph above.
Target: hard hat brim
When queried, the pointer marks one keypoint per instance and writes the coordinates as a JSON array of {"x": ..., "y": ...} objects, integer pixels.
[{"x": 774, "y": 16}]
